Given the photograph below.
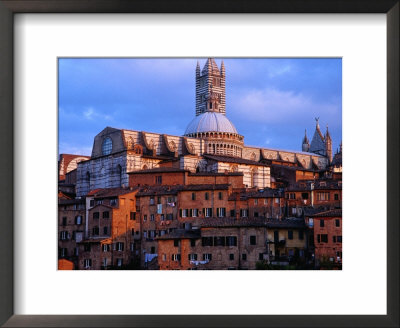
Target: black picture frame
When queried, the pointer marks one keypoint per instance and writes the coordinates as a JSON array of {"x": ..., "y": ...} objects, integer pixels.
[{"x": 10, "y": 7}]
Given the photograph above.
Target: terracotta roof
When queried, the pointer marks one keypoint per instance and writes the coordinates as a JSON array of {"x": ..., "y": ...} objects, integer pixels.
[
  {"x": 330, "y": 213},
  {"x": 174, "y": 189},
  {"x": 110, "y": 192},
  {"x": 318, "y": 185},
  {"x": 71, "y": 201},
  {"x": 263, "y": 193},
  {"x": 159, "y": 170},
  {"x": 230, "y": 159},
  {"x": 181, "y": 234},
  {"x": 253, "y": 222},
  {"x": 216, "y": 174}
]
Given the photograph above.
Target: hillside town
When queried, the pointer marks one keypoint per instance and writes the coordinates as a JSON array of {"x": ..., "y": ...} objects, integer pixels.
[{"x": 200, "y": 201}]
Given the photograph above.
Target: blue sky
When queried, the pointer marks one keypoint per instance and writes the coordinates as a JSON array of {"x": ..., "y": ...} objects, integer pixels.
[{"x": 270, "y": 101}]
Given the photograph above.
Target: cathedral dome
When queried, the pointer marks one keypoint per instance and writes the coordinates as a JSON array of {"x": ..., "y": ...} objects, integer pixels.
[{"x": 210, "y": 122}]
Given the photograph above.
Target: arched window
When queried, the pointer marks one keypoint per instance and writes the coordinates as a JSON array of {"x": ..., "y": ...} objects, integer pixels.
[{"x": 107, "y": 146}]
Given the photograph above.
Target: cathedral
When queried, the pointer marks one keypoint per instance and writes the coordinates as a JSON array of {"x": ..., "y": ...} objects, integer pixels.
[{"x": 210, "y": 144}]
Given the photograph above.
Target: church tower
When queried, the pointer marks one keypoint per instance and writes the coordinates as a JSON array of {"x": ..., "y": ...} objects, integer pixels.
[
  {"x": 306, "y": 144},
  {"x": 318, "y": 141},
  {"x": 328, "y": 144},
  {"x": 210, "y": 88}
]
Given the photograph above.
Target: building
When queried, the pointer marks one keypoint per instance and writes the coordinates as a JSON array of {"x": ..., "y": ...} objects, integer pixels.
[
  {"x": 327, "y": 235},
  {"x": 110, "y": 230},
  {"x": 230, "y": 244},
  {"x": 210, "y": 144}
]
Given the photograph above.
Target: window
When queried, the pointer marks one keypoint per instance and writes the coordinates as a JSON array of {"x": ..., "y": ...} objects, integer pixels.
[
  {"x": 339, "y": 239},
  {"x": 162, "y": 218},
  {"x": 64, "y": 221},
  {"x": 192, "y": 242},
  {"x": 322, "y": 223},
  {"x": 164, "y": 257},
  {"x": 145, "y": 234},
  {"x": 170, "y": 216},
  {"x": 243, "y": 213},
  {"x": 144, "y": 218},
  {"x": 158, "y": 199},
  {"x": 158, "y": 179},
  {"x": 290, "y": 234},
  {"x": 152, "y": 250},
  {"x": 334, "y": 239},
  {"x": 253, "y": 240},
  {"x": 106, "y": 248},
  {"x": 336, "y": 196},
  {"x": 276, "y": 236},
  {"x": 294, "y": 210},
  {"x": 107, "y": 146},
  {"x": 276, "y": 200},
  {"x": 120, "y": 246},
  {"x": 86, "y": 247},
  {"x": 219, "y": 241},
  {"x": 106, "y": 215},
  {"x": 292, "y": 195},
  {"x": 244, "y": 257},
  {"x": 220, "y": 195},
  {"x": 120, "y": 262},
  {"x": 233, "y": 213},
  {"x": 87, "y": 263},
  {"x": 206, "y": 196},
  {"x": 260, "y": 256},
  {"x": 113, "y": 202},
  {"x": 63, "y": 252},
  {"x": 231, "y": 241},
  {"x": 337, "y": 223},
  {"x": 105, "y": 230},
  {"x": 323, "y": 196},
  {"x": 105, "y": 262},
  {"x": 64, "y": 235},
  {"x": 256, "y": 214},
  {"x": 265, "y": 201},
  {"x": 78, "y": 220},
  {"x": 207, "y": 241},
  {"x": 193, "y": 196},
  {"x": 76, "y": 251},
  {"x": 95, "y": 231},
  {"x": 304, "y": 195},
  {"x": 152, "y": 200},
  {"x": 133, "y": 215},
  {"x": 176, "y": 242},
  {"x": 151, "y": 217},
  {"x": 231, "y": 257},
  {"x": 221, "y": 212},
  {"x": 99, "y": 201},
  {"x": 91, "y": 203},
  {"x": 208, "y": 212},
  {"x": 207, "y": 257},
  {"x": 96, "y": 215},
  {"x": 176, "y": 257},
  {"x": 256, "y": 201},
  {"x": 192, "y": 257},
  {"x": 184, "y": 213},
  {"x": 301, "y": 234},
  {"x": 195, "y": 212},
  {"x": 322, "y": 238}
]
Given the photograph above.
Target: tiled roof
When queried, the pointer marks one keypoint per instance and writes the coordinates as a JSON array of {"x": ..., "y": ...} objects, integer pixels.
[
  {"x": 174, "y": 189},
  {"x": 160, "y": 170},
  {"x": 71, "y": 201},
  {"x": 318, "y": 185},
  {"x": 205, "y": 187},
  {"x": 110, "y": 192},
  {"x": 230, "y": 159},
  {"x": 330, "y": 213},
  {"x": 200, "y": 174},
  {"x": 253, "y": 222},
  {"x": 263, "y": 193},
  {"x": 181, "y": 234}
]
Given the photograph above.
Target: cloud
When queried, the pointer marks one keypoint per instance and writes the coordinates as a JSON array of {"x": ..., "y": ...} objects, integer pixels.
[
  {"x": 90, "y": 114},
  {"x": 271, "y": 105}
]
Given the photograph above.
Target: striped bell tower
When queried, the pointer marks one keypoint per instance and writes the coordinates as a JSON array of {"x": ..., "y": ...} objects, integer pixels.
[{"x": 210, "y": 88}]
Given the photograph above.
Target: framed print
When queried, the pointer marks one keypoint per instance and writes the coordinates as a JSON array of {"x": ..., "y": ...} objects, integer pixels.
[{"x": 363, "y": 293}]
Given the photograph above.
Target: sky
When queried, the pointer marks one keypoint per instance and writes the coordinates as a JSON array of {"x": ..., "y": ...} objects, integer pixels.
[{"x": 271, "y": 101}]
